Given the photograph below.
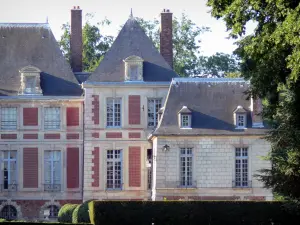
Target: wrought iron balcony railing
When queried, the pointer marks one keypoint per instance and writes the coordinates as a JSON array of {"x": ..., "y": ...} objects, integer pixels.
[
  {"x": 52, "y": 187},
  {"x": 9, "y": 187},
  {"x": 241, "y": 184}
]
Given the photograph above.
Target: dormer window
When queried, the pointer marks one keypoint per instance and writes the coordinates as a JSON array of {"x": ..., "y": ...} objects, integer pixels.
[
  {"x": 240, "y": 117},
  {"x": 30, "y": 81},
  {"x": 133, "y": 68},
  {"x": 185, "y": 117}
]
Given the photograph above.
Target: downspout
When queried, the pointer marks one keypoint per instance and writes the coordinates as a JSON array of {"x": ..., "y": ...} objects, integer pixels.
[
  {"x": 154, "y": 153},
  {"x": 83, "y": 138}
]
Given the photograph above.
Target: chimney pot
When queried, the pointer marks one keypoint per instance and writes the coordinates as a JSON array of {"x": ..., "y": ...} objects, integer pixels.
[
  {"x": 166, "y": 39},
  {"x": 76, "y": 40}
]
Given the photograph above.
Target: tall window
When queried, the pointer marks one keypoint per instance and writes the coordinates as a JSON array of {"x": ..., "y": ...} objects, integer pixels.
[
  {"x": 113, "y": 110},
  {"x": 153, "y": 106},
  {"x": 186, "y": 167},
  {"x": 114, "y": 169},
  {"x": 9, "y": 169},
  {"x": 9, "y": 212},
  {"x": 241, "y": 167},
  {"x": 52, "y": 118},
  {"x": 149, "y": 168},
  {"x": 9, "y": 118},
  {"x": 52, "y": 170}
]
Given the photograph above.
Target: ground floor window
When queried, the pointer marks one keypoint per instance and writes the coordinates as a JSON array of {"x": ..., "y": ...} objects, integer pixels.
[
  {"x": 53, "y": 214},
  {"x": 114, "y": 169},
  {"x": 9, "y": 212}
]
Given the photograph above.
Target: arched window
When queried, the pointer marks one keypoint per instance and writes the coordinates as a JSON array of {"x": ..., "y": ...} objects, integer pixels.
[
  {"x": 53, "y": 211},
  {"x": 8, "y": 212}
]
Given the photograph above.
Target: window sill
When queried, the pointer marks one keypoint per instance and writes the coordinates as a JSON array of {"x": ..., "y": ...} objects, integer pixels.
[
  {"x": 185, "y": 128},
  {"x": 113, "y": 189},
  {"x": 241, "y": 128}
]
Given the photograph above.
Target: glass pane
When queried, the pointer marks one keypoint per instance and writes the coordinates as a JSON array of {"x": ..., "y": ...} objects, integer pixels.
[{"x": 9, "y": 118}]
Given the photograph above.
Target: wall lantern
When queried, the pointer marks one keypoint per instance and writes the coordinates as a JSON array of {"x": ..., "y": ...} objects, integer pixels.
[{"x": 166, "y": 148}]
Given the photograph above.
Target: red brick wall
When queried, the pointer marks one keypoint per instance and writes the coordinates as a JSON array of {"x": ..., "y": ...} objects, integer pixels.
[
  {"x": 72, "y": 116},
  {"x": 30, "y": 136},
  {"x": 134, "y": 115},
  {"x": 72, "y": 167},
  {"x": 8, "y": 136},
  {"x": 95, "y": 109},
  {"x": 95, "y": 169},
  {"x": 134, "y": 135},
  {"x": 95, "y": 135},
  {"x": 113, "y": 134},
  {"x": 30, "y": 167},
  {"x": 134, "y": 166},
  {"x": 52, "y": 136},
  {"x": 255, "y": 198},
  {"x": 30, "y": 116},
  {"x": 72, "y": 136}
]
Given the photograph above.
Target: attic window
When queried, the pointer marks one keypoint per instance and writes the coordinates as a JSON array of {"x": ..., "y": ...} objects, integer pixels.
[
  {"x": 185, "y": 117},
  {"x": 240, "y": 117},
  {"x": 30, "y": 81},
  {"x": 133, "y": 68}
]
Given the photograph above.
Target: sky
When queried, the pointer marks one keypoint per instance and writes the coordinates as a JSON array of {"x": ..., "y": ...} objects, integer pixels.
[{"x": 117, "y": 11}]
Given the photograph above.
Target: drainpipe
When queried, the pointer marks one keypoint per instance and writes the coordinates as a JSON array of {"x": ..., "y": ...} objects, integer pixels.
[
  {"x": 83, "y": 138},
  {"x": 154, "y": 153}
]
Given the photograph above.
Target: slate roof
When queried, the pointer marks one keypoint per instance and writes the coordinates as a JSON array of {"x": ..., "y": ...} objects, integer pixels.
[
  {"x": 132, "y": 40},
  {"x": 24, "y": 44},
  {"x": 212, "y": 103}
]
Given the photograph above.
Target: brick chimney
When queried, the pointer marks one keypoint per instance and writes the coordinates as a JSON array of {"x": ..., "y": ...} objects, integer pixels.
[
  {"x": 76, "y": 39},
  {"x": 166, "y": 41}
]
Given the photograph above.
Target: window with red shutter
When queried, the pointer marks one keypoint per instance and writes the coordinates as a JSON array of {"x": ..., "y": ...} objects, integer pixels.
[{"x": 72, "y": 116}]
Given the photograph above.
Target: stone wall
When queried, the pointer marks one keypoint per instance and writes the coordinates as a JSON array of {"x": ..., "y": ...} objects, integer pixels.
[{"x": 213, "y": 167}]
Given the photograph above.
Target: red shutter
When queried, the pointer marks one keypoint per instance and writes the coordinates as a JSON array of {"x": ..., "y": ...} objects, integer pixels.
[
  {"x": 30, "y": 167},
  {"x": 134, "y": 166},
  {"x": 134, "y": 109},
  {"x": 30, "y": 116},
  {"x": 72, "y": 167},
  {"x": 72, "y": 116}
]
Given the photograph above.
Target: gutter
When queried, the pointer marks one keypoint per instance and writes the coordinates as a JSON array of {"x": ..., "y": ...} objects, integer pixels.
[
  {"x": 83, "y": 138},
  {"x": 126, "y": 84}
]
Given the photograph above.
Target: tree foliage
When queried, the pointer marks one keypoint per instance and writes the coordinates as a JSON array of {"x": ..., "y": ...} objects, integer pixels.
[
  {"x": 186, "y": 42},
  {"x": 220, "y": 65},
  {"x": 270, "y": 59},
  {"x": 95, "y": 44}
]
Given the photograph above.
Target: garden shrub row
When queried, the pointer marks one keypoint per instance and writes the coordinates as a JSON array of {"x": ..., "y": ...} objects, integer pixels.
[
  {"x": 35, "y": 223},
  {"x": 190, "y": 212},
  {"x": 66, "y": 212}
]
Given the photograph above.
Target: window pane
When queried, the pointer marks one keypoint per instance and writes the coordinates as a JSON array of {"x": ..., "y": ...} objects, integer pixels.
[
  {"x": 9, "y": 118},
  {"x": 114, "y": 169},
  {"x": 186, "y": 167},
  {"x": 153, "y": 107},
  {"x": 52, "y": 118},
  {"x": 133, "y": 72},
  {"x": 52, "y": 167},
  {"x": 241, "y": 167},
  {"x": 113, "y": 112}
]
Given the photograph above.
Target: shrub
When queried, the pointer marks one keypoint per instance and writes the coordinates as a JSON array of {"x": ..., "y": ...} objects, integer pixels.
[
  {"x": 35, "y": 223},
  {"x": 190, "y": 212},
  {"x": 75, "y": 214},
  {"x": 83, "y": 212},
  {"x": 65, "y": 213}
]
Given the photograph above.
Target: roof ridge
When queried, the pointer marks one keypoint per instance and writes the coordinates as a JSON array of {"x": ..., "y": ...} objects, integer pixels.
[
  {"x": 44, "y": 25},
  {"x": 206, "y": 80}
]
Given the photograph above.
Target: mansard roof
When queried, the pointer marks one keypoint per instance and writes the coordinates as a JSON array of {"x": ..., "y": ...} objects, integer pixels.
[
  {"x": 132, "y": 41},
  {"x": 33, "y": 44},
  {"x": 212, "y": 103}
]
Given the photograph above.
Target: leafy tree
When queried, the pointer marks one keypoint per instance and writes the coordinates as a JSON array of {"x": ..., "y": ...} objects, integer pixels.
[
  {"x": 95, "y": 45},
  {"x": 270, "y": 59},
  {"x": 220, "y": 65},
  {"x": 186, "y": 43}
]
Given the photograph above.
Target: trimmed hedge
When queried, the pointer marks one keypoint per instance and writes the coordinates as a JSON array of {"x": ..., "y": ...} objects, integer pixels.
[
  {"x": 37, "y": 223},
  {"x": 83, "y": 212},
  {"x": 190, "y": 212},
  {"x": 66, "y": 212},
  {"x": 75, "y": 214}
]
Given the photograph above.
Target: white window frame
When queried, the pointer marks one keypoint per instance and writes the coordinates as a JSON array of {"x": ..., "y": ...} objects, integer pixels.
[
  {"x": 185, "y": 179},
  {"x": 114, "y": 160},
  {"x": 243, "y": 116},
  {"x": 9, "y": 160},
  {"x": 241, "y": 172},
  {"x": 189, "y": 120},
  {"x": 114, "y": 116},
  {"x": 55, "y": 122},
  {"x": 156, "y": 102},
  {"x": 52, "y": 168},
  {"x": 10, "y": 124}
]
